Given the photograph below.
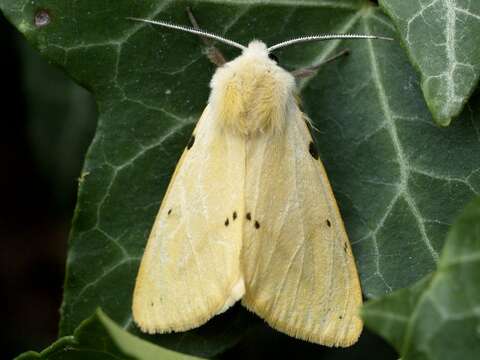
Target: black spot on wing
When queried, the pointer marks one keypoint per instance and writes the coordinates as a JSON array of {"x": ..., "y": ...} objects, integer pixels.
[
  {"x": 329, "y": 224},
  {"x": 227, "y": 222},
  {"x": 191, "y": 142},
  {"x": 248, "y": 216},
  {"x": 169, "y": 211},
  {"x": 257, "y": 225},
  {"x": 234, "y": 216},
  {"x": 313, "y": 150}
]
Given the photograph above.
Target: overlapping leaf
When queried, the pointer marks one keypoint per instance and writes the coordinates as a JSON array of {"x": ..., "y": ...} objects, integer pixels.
[
  {"x": 441, "y": 37},
  {"x": 438, "y": 318},
  {"x": 99, "y": 338}
]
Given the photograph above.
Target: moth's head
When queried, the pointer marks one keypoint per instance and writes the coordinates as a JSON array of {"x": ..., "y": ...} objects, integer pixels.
[
  {"x": 258, "y": 59},
  {"x": 258, "y": 50},
  {"x": 251, "y": 93}
]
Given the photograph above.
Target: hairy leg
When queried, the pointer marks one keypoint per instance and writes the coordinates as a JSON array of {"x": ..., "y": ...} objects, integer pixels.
[
  {"x": 213, "y": 54},
  {"x": 311, "y": 70}
]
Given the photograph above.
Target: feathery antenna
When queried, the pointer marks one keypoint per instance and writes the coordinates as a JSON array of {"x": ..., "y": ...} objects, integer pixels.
[
  {"x": 271, "y": 48},
  {"x": 324, "y": 37},
  {"x": 191, "y": 30}
]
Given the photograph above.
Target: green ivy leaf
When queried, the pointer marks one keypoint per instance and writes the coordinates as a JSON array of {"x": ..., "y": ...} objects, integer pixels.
[
  {"x": 100, "y": 338},
  {"x": 438, "y": 318},
  {"x": 398, "y": 179},
  {"x": 441, "y": 38}
]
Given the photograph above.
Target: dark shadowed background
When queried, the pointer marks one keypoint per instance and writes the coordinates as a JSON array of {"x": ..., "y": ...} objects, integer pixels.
[{"x": 47, "y": 123}]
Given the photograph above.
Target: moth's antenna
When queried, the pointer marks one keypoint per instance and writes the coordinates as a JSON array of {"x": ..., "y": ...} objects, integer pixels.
[
  {"x": 324, "y": 37},
  {"x": 191, "y": 30}
]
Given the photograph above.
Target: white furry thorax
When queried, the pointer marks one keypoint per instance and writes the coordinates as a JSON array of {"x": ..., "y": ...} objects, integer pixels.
[{"x": 251, "y": 93}]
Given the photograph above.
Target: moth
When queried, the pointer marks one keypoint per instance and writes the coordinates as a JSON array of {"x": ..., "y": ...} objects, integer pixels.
[{"x": 250, "y": 214}]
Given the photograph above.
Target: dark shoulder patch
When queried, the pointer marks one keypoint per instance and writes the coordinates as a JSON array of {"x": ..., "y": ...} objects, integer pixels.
[
  {"x": 191, "y": 142},
  {"x": 273, "y": 57},
  {"x": 313, "y": 150}
]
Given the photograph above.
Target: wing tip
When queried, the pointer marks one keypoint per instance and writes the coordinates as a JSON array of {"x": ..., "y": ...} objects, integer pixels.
[
  {"x": 148, "y": 323},
  {"x": 331, "y": 339},
  {"x": 147, "y": 317},
  {"x": 162, "y": 320}
]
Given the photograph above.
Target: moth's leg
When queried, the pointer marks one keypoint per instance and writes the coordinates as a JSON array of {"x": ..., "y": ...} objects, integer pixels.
[
  {"x": 213, "y": 54},
  {"x": 309, "y": 71}
]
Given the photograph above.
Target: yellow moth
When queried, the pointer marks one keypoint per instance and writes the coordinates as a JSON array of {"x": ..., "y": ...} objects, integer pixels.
[{"x": 250, "y": 215}]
